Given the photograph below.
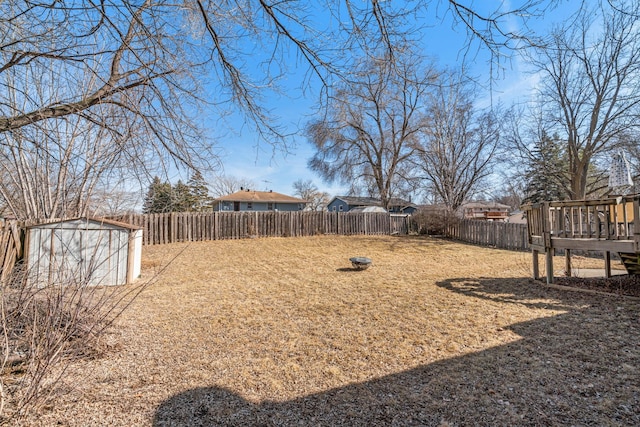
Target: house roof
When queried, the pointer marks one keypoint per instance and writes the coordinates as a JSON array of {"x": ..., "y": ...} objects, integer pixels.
[
  {"x": 483, "y": 204},
  {"x": 259, "y": 196},
  {"x": 372, "y": 201},
  {"x": 368, "y": 209}
]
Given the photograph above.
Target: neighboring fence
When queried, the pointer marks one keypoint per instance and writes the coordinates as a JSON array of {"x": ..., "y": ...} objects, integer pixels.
[
  {"x": 501, "y": 235},
  {"x": 192, "y": 226}
]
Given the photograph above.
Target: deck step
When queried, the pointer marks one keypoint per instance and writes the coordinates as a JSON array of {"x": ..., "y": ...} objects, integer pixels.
[{"x": 631, "y": 262}]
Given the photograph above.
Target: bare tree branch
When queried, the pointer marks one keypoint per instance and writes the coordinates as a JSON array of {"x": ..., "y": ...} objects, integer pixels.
[
  {"x": 373, "y": 125},
  {"x": 459, "y": 142},
  {"x": 591, "y": 86}
]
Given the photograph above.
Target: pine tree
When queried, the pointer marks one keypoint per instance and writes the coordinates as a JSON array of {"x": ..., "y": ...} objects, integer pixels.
[
  {"x": 159, "y": 197},
  {"x": 182, "y": 198},
  {"x": 546, "y": 173},
  {"x": 162, "y": 197},
  {"x": 201, "y": 200}
]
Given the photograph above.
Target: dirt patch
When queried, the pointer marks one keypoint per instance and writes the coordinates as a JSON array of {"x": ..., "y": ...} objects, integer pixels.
[
  {"x": 618, "y": 285},
  {"x": 285, "y": 332}
]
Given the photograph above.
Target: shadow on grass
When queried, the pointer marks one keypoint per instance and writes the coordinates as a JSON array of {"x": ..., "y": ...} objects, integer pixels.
[
  {"x": 574, "y": 368},
  {"x": 413, "y": 241},
  {"x": 350, "y": 269}
]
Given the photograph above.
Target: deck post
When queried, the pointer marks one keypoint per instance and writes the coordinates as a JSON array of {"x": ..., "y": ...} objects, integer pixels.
[
  {"x": 607, "y": 264},
  {"x": 636, "y": 222},
  {"x": 549, "y": 265},
  {"x": 567, "y": 262},
  {"x": 536, "y": 265},
  {"x": 548, "y": 249}
]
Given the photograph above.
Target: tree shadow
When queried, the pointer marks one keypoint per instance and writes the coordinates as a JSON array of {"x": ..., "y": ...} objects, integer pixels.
[{"x": 575, "y": 368}]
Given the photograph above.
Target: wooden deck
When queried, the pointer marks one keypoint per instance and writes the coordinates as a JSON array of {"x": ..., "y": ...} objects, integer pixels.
[{"x": 605, "y": 225}]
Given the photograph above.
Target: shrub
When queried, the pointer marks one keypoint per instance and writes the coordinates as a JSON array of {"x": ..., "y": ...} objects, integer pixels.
[{"x": 45, "y": 327}]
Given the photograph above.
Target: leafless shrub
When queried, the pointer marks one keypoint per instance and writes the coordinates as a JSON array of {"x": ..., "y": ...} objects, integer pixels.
[
  {"x": 432, "y": 222},
  {"x": 44, "y": 327}
]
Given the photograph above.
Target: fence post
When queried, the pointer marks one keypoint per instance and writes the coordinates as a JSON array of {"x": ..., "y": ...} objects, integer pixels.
[{"x": 173, "y": 226}]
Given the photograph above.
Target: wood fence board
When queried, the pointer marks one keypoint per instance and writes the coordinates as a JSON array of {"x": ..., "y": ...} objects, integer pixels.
[
  {"x": 501, "y": 235},
  {"x": 186, "y": 226}
]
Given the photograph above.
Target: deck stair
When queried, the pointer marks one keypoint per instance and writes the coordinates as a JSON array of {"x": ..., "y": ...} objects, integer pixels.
[{"x": 631, "y": 262}]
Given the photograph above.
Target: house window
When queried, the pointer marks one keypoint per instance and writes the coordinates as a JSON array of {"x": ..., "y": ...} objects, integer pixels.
[
  {"x": 341, "y": 208},
  {"x": 249, "y": 205},
  {"x": 270, "y": 206}
]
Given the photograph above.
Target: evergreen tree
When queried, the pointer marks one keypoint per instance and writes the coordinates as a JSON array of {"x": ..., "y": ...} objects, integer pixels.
[
  {"x": 182, "y": 197},
  {"x": 201, "y": 200},
  {"x": 159, "y": 197},
  {"x": 546, "y": 174},
  {"x": 162, "y": 197}
]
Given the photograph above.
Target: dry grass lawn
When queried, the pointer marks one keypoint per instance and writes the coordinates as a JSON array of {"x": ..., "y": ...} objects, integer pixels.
[{"x": 284, "y": 332}]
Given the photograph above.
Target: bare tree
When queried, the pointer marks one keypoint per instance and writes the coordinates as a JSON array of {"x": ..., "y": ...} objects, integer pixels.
[
  {"x": 590, "y": 71},
  {"x": 372, "y": 125},
  {"x": 112, "y": 199},
  {"x": 53, "y": 170},
  {"x": 227, "y": 184},
  {"x": 134, "y": 69},
  {"x": 316, "y": 200},
  {"x": 533, "y": 159},
  {"x": 86, "y": 89},
  {"x": 136, "y": 55},
  {"x": 121, "y": 67},
  {"x": 458, "y": 142}
]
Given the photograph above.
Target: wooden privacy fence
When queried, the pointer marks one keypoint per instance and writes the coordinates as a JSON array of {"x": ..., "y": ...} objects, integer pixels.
[
  {"x": 501, "y": 235},
  {"x": 186, "y": 227},
  {"x": 194, "y": 226}
]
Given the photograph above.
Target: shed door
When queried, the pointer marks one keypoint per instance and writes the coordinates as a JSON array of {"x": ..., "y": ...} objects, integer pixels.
[
  {"x": 236, "y": 206},
  {"x": 105, "y": 260}
]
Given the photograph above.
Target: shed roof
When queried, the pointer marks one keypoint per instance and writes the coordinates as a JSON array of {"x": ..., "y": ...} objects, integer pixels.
[
  {"x": 98, "y": 221},
  {"x": 259, "y": 196}
]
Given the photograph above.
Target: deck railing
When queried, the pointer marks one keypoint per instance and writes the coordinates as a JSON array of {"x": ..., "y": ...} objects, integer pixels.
[
  {"x": 606, "y": 225},
  {"x": 606, "y": 219}
]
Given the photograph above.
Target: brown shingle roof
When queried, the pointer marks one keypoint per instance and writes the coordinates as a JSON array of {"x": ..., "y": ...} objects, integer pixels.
[
  {"x": 259, "y": 196},
  {"x": 372, "y": 201},
  {"x": 483, "y": 204}
]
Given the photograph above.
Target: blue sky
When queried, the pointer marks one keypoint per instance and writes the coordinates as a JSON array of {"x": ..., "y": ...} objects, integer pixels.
[{"x": 245, "y": 156}]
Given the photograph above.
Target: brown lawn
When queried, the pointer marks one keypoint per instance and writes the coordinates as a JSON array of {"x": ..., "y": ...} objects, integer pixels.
[{"x": 283, "y": 332}]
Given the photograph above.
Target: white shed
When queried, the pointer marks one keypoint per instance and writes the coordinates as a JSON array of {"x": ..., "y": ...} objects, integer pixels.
[{"x": 92, "y": 251}]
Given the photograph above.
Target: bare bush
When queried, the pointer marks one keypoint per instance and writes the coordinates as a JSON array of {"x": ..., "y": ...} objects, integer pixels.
[
  {"x": 44, "y": 327},
  {"x": 432, "y": 222}
]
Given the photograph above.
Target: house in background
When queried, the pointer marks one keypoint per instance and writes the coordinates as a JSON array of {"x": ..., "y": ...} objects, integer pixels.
[
  {"x": 489, "y": 211},
  {"x": 352, "y": 203},
  {"x": 251, "y": 200}
]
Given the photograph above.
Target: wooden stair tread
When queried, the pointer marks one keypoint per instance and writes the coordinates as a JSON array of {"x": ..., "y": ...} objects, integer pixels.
[{"x": 631, "y": 262}]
